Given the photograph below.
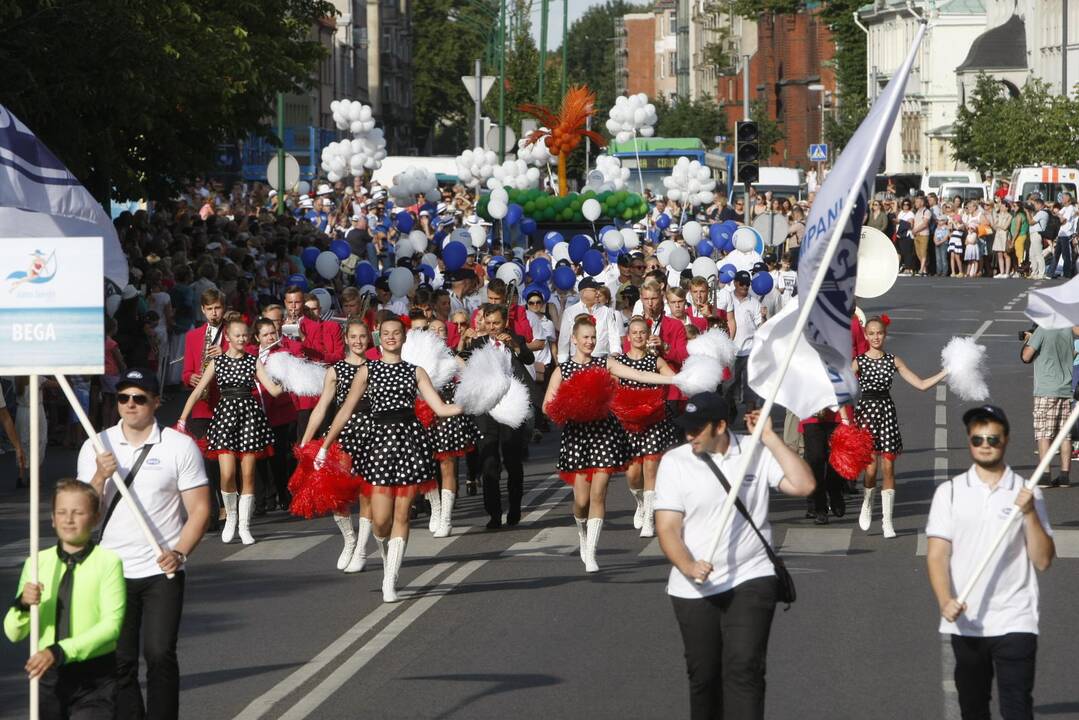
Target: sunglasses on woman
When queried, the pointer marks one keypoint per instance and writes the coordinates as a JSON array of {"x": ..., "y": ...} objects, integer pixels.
[
  {"x": 124, "y": 398},
  {"x": 978, "y": 440}
]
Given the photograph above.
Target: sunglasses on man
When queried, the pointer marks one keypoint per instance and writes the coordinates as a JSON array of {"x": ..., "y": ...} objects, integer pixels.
[
  {"x": 125, "y": 398},
  {"x": 979, "y": 440}
]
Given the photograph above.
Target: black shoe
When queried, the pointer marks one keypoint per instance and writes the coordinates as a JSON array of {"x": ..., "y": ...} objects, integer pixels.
[
  {"x": 821, "y": 519},
  {"x": 1047, "y": 482},
  {"x": 494, "y": 524},
  {"x": 838, "y": 503},
  {"x": 513, "y": 518},
  {"x": 1064, "y": 481},
  {"x": 471, "y": 485}
]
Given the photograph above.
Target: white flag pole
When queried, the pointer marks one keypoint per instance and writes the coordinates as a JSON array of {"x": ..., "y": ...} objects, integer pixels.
[
  {"x": 118, "y": 481},
  {"x": 1009, "y": 525},
  {"x": 804, "y": 309},
  {"x": 35, "y": 539}
]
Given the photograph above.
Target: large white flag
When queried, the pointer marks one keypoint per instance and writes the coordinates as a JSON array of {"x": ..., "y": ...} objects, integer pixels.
[
  {"x": 39, "y": 197},
  {"x": 828, "y": 328},
  {"x": 1055, "y": 307}
]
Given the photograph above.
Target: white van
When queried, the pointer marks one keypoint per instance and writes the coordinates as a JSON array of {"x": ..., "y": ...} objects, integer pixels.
[
  {"x": 932, "y": 181},
  {"x": 966, "y": 191},
  {"x": 1047, "y": 180},
  {"x": 780, "y": 181}
]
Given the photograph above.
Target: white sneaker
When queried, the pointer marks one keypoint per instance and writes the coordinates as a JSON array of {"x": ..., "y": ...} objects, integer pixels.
[
  {"x": 434, "y": 498},
  {"x": 887, "y": 501},
  {"x": 865, "y": 519},
  {"x": 595, "y": 525},
  {"x": 638, "y": 515},
  {"x": 359, "y": 554},
  {"x": 228, "y": 533},
  {"x": 247, "y": 506},
  {"x": 395, "y": 552},
  {"x": 344, "y": 524},
  {"x": 445, "y": 517},
  {"x": 648, "y": 527}
]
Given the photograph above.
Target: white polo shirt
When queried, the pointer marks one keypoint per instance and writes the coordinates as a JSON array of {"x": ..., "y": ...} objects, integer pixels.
[
  {"x": 747, "y": 318},
  {"x": 685, "y": 484},
  {"x": 968, "y": 513},
  {"x": 172, "y": 466}
]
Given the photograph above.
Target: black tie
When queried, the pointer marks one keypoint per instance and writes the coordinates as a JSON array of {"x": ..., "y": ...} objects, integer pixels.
[{"x": 63, "y": 596}]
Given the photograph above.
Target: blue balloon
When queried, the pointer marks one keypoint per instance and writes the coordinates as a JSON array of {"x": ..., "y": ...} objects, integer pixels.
[
  {"x": 454, "y": 255},
  {"x": 762, "y": 283},
  {"x": 540, "y": 270},
  {"x": 494, "y": 264},
  {"x": 705, "y": 248},
  {"x": 309, "y": 256},
  {"x": 537, "y": 288},
  {"x": 653, "y": 234},
  {"x": 428, "y": 271},
  {"x": 341, "y": 249},
  {"x": 551, "y": 239},
  {"x": 578, "y": 246},
  {"x": 514, "y": 213},
  {"x": 438, "y": 237},
  {"x": 592, "y": 262},
  {"x": 528, "y": 226},
  {"x": 564, "y": 279},
  {"x": 298, "y": 280},
  {"x": 365, "y": 273},
  {"x": 403, "y": 221},
  {"x": 713, "y": 233},
  {"x": 663, "y": 221},
  {"x": 726, "y": 276}
]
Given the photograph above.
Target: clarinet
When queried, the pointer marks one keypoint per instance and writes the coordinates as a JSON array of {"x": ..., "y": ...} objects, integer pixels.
[{"x": 206, "y": 357}]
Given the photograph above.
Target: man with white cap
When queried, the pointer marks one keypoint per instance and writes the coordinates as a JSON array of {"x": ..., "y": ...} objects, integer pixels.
[{"x": 608, "y": 325}]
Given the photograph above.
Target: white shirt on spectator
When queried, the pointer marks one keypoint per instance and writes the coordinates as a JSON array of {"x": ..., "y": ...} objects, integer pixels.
[
  {"x": 747, "y": 318},
  {"x": 607, "y": 335},
  {"x": 1068, "y": 217}
]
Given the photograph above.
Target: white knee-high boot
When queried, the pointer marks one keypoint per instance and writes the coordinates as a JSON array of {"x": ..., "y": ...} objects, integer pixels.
[
  {"x": 866, "y": 516},
  {"x": 395, "y": 552},
  {"x": 344, "y": 524},
  {"x": 582, "y": 533},
  {"x": 648, "y": 526},
  {"x": 435, "y": 499},
  {"x": 247, "y": 506},
  {"x": 638, "y": 514},
  {"x": 228, "y": 533},
  {"x": 445, "y": 520},
  {"x": 595, "y": 525},
  {"x": 887, "y": 501},
  {"x": 359, "y": 553}
]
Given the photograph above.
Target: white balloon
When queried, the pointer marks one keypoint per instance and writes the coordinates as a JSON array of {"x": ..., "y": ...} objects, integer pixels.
[
  {"x": 497, "y": 210},
  {"x": 663, "y": 251},
  {"x": 691, "y": 232},
  {"x": 678, "y": 258},
  {"x": 613, "y": 240},
  {"x": 560, "y": 251},
  {"x": 744, "y": 239},
  {"x": 629, "y": 236},
  {"x": 632, "y": 243},
  {"x": 500, "y": 194},
  {"x": 400, "y": 281},
  {"x": 327, "y": 264},
  {"x": 478, "y": 236},
  {"x": 591, "y": 209},
  {"x": 418, "y": 239},
  {"x": 430, "y": 260},
  {"x": 705, "y": 267},
  {"x": 403, "y": 248},
  {"x": 510, "y": 272}
]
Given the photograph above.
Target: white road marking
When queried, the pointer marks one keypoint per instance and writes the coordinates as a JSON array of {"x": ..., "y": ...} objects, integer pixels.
[
  {"x": 558, "y": 541},
  {"x": 940, "y": 469},
  {"x": 280, "y": 548},
  {"x": 652, "y": 549},
  {"x": 947, "y": 666},
  {"x": 982, "y": 329},
  {"x": 923, "y": 545},
  {"x": 832, "y": 542},
  {"x": 942, "y": 415},
  {"x": 942, "y": 393},
  {"x": 1067, "y": 542},
  {"x": 14, "y": 554},
  {"x": 940, "y": 438}
]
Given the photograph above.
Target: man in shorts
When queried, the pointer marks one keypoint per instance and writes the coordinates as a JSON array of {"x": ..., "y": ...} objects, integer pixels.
[{"x": 1051, "y": 352}]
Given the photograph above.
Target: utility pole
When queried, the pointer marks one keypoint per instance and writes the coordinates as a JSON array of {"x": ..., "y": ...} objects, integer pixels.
[
  {"x": 502, "y": 83},
  {"x": 565, "y": 41},
  {"x": 745, "y": 90},
  {"x": 544, "y": 8},
  {"x": 479, "y": 104},
  {"x": 281, "y": 154},
  {"x": 1064, "y": 50}
]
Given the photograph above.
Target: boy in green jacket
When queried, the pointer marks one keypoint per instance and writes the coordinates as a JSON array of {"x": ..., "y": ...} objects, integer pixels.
[{"x": 81, "y": 597}]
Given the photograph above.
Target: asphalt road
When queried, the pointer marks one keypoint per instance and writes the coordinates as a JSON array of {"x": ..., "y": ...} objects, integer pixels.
[{"x": 507, "y": 624}]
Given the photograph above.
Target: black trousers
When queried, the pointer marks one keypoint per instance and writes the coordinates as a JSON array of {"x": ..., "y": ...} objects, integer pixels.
[
  {"x": 726, "y": 648},
  {"x": 79, "y": 691},
  {"x": 737, "y": 390},
  {"x": 1011, "y": 657},
  {"x": 274, "y": 471},
  {"x": 198, "y": 427},
  {"x": 829, "y": 488},
  {"x": 908, "y": 260},
  {"x": 152, "y": 621},
  {"x": 502, "y": 446}
]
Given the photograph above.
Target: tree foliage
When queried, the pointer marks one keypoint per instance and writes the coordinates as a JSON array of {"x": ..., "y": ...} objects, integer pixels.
[
  {"x": 769, "y": 133},
  {"x": 850, "y": 73},
  {"x": 703, "y": 119},
  {"x": 135, "y": 96}
]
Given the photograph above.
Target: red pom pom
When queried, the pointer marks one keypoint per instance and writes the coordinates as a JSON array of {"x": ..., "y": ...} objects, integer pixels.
[
  {"x": 851, "y": 450},
  {"x": 638, "y": 408},
  {"x": 585, "y": 397},
  {"x": 331, "y": 488},
  {"x": 727, "y": 374},
  {"x": 424, "y": 413},
  {"x": 885, "y": 320}
]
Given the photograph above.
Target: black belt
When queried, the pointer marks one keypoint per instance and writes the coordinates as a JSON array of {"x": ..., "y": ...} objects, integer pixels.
[
  {"x": 875, "y": 395},
  {"x": 394, "y": 416},
  {"x": 235, "y": 393}
]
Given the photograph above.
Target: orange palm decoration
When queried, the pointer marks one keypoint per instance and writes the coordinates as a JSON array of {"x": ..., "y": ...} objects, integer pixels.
[{"x": 567, "y": 128}]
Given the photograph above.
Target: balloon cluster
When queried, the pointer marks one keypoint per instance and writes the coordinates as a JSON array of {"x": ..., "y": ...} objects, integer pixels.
[
  {"x": 630, "y": 116},
  {"x": 476, "y": 166},
  {"x": 690, "y": 182},
  {"x": 614, "y": 175},
  {"x": 534, "y": 153},
  {"x": 514, "y": 174},
  {"x": 365, "y": 151},
  {"x": 412, "y": 181},
  {"x": 542, "y": 207}
]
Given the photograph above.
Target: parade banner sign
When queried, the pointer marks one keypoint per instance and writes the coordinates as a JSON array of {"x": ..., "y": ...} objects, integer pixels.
[{"x": 52, "y": 315}]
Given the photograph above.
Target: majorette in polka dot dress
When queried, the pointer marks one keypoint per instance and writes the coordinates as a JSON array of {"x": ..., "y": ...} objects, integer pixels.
[
  {"x": 239, "y": 425},
  {"x": 591, "y": 447},
  {"x": 876, "y": 410}
]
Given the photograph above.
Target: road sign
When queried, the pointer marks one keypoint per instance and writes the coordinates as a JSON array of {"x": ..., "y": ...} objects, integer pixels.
[
  {"x": 292, "y": 172},
  {"x": 491, "y": 140},
  {"x": 486, "y": 83},
  {"x": 818, "y": 152}
]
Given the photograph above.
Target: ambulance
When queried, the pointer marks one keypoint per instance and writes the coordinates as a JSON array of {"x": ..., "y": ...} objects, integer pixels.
[{"x": 1047, "y": 180}]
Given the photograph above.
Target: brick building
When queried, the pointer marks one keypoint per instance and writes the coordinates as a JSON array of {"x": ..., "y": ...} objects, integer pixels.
[
  {"x": 793, "y": 52},
  {"x": 635, "y": 58}
]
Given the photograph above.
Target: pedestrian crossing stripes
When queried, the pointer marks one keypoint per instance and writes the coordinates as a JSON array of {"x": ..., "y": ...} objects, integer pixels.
[
  {"x": 816, "y": 541},
  {"x": 554, "y": 541},
  {"x": 1066, "y": 541}
]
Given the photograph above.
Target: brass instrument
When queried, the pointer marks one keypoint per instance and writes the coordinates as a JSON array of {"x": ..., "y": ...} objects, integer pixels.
[{"x": 206, "y": 357}]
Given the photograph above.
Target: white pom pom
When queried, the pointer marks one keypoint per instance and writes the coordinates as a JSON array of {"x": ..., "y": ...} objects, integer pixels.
[
  {"x": 699, "y": 373},
  {"x": 512, "y": 409},
  {"x": 964, "y": 361},
  {"x": 429, "y": 351},
  {"x": 484, "y": 381},
  {"x": 295, "y": 375},
  {"x": 715, "y": 344}
]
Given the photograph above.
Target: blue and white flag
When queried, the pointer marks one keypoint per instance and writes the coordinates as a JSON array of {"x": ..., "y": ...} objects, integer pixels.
[
  {"x": 828, "y": 329},
  {"x": 39, "y": 197}
]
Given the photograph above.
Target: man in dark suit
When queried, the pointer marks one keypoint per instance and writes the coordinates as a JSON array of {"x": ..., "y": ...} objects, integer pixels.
[{"x": 502, "y": 445}]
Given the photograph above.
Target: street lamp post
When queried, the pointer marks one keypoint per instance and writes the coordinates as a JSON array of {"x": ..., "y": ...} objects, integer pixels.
[{"x": 818, "y": 87}]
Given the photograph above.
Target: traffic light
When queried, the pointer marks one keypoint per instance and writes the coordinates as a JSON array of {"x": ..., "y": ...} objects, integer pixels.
[{"x": 746, "y": 152}]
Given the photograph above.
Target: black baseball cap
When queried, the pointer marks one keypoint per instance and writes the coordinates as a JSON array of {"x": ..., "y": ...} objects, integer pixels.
[
  {"x": 589, "y": 282},
  {"x": 701, "y": 409},
  {"x": 142, "y": 378},
  {"x": 742, "y": 278},
  {"x": 987, "y": 412}
]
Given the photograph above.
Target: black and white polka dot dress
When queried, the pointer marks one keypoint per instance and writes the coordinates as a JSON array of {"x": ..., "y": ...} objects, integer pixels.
[
  {"x": 875, "y": 410},
  {"x": 352, "y": 435},
  {"x": 453, "y": 436},
  {"x": 397, "y": 452},
  {"x": 652, "y": 442},
  {"x": 588, "y": 448},
  {"x": 239, "y": 425}
]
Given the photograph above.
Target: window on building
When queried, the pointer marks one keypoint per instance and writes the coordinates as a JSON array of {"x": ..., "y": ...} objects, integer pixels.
[
  {"x": 672, "y": 64},
  {"x": 672, "y": 23}
]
